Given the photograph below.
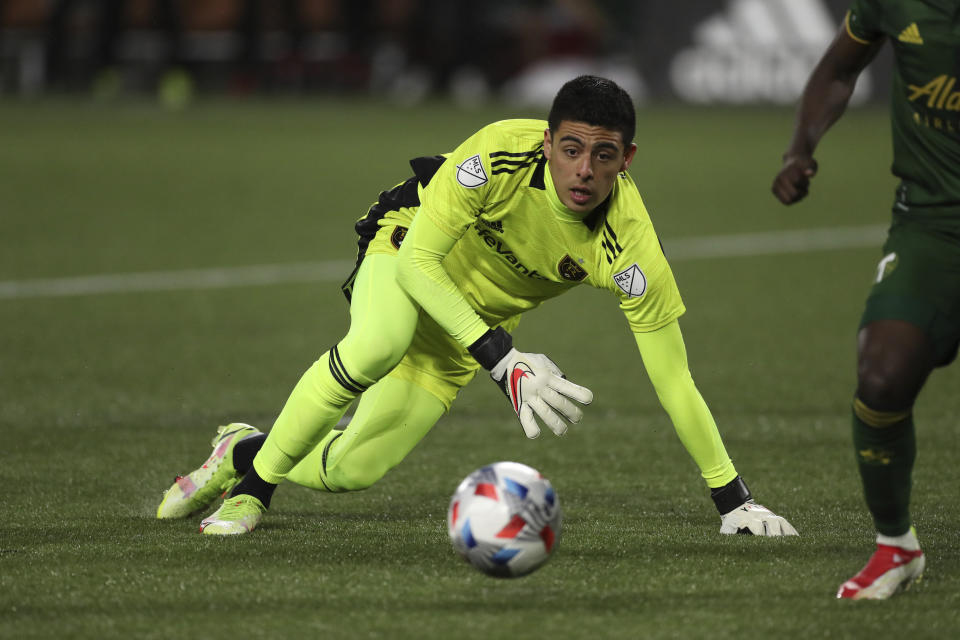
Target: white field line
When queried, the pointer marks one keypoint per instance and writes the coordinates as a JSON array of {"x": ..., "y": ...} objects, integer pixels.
[
  {"x": 214, "y": 278},
  {"x": 689, "y": 248},
  {"x": 765, "y": 243}
]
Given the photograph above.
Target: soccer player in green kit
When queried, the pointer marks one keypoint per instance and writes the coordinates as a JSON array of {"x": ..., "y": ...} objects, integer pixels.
[
  {"x": 520, "y": 212},
  {"x": 911, "y": 323}
]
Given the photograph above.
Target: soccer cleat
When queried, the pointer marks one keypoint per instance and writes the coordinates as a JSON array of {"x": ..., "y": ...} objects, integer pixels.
[
  {"x": 889, "y": 570},
  {"x": 238, "y": 514},
  {"x": 199, "y": 489}
]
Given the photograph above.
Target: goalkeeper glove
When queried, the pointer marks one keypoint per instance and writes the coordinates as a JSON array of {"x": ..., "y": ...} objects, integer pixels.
[
  {"x": 740, "y": 514},
  {"x": 534, "y": 385}
]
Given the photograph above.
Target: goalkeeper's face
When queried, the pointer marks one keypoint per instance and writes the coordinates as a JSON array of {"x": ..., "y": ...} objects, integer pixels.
[{"x": 584, "y": 161}]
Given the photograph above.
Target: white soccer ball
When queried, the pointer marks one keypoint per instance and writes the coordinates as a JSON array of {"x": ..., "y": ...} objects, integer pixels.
[{"x": 504, "y": 519}]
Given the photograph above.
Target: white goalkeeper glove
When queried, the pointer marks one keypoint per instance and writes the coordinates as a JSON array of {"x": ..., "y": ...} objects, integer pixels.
[
  {"x": 534, "y": 385},
  {"x": 755, "y": 519},
  {"x": 747, "y": 517}
]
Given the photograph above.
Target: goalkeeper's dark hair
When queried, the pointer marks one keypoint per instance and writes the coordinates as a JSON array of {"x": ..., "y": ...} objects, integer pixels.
[{"x": 597, "y": 101}]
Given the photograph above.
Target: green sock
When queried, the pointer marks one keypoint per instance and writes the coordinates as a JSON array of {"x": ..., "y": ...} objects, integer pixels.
[{"x": 885, "y": 447}]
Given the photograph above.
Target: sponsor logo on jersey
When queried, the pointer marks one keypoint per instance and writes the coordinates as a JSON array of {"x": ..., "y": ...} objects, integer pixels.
[
  {"x": 506, "y": 253},
  {"x": 470, "y": 173},
  {"x": 756, "y": 51},
  {"x": 935, "y": 122},
  {"x": 911, "y": 35},
  {"x": 570, "y": 270},
  {"x": 495, "y": 225},
  {"x": 938, "y": 92},
  {"x": 396, "y": 238},
  {"x": 631, "y": 281}
]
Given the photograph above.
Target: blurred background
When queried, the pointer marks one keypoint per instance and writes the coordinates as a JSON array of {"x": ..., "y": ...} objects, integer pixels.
[{"x": 697, "y": 51}]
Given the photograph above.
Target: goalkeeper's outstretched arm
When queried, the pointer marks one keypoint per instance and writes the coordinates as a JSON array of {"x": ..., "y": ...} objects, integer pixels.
[
  {"x": 665, "y": 358},
  {"x": 534, "y": 385}
]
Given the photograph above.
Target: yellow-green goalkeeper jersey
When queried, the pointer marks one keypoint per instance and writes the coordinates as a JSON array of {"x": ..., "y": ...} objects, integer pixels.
[{"x": 519, "y": 245}]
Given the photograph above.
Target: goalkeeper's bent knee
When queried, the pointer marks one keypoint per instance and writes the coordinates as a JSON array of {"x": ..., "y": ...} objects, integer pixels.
[{"x": 348, "y": 475}]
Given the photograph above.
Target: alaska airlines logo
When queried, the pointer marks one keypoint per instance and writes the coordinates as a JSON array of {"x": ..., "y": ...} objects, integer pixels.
[
  {"x": 939, "y": 93},
  {"x": 506, "y": 253}
]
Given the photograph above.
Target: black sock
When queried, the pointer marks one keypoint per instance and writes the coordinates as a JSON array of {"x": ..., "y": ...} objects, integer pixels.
[
  {"x": 253, "y": 485},
  {"x": 245, "y": 450}
]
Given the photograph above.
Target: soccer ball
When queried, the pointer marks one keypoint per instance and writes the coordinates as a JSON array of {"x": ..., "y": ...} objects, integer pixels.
[{"x": 504, "y": 519}]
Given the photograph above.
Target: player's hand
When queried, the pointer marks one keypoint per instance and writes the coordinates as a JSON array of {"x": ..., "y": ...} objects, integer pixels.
[
  {"x": 793, "y": 181},
  {"x": 751, "y": 518},
  {"x": 535, "y": 386}
]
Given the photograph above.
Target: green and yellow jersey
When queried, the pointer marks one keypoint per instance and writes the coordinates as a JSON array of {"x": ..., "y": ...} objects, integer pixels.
[
  {"x": 925, "y": 109},
  {"x": 518, "y": 244}
]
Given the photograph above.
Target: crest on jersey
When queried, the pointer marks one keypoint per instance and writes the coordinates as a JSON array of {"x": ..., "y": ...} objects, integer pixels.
[
  {"x": 470, "y": 173},
  {"x": 396, "y": 238},
  {"x": 570, "y": 270},
  {"x": 886, "y": 266},
  {"x": 631, "y": 281}
]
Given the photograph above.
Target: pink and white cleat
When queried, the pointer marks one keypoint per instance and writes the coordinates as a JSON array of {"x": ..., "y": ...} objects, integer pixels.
[{"x": 200, "y": 488}]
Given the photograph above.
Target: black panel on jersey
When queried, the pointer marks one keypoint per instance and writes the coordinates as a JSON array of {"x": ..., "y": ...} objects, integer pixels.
[
  {"x": 401, "y": 196},
  {"x": 594, "y": 217},
  {"x": 536, "y": 180},
  {"x": 426, "y": 167}
]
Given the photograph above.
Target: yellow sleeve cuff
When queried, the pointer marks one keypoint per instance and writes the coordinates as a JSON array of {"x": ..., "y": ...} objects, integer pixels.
[{"x": 846, "y": 24}]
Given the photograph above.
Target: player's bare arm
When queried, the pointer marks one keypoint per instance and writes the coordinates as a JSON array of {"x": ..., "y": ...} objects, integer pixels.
[{"x": 824, "y": 100}]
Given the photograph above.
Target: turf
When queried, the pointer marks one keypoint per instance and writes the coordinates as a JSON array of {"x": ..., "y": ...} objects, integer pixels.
[{"x": 106, "y": 397}]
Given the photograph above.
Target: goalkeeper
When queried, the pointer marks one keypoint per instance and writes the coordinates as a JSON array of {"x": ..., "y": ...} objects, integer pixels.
[{"x": 520, "y": 212}]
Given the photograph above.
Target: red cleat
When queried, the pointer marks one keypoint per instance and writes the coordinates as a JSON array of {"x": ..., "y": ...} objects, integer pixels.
[{"x": 890, "y": 569}]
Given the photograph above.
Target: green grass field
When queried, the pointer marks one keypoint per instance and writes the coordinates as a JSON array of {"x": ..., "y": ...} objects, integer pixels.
[{"x": 104, "y": 397}]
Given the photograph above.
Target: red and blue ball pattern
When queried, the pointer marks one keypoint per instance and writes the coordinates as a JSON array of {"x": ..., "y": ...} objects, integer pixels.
[{"x": 505, "y": 519}]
